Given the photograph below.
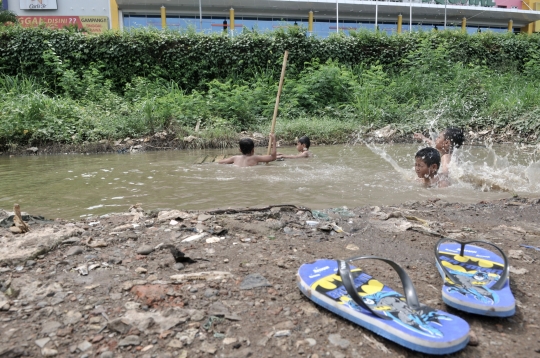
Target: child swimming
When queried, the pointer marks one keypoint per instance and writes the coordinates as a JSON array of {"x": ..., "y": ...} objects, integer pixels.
[
  {"x": 446, "y": 142},
  {"x": 248, "y": 157},
  {"x": 426, "y": 166},
  {"x": 302, "y": 146}
]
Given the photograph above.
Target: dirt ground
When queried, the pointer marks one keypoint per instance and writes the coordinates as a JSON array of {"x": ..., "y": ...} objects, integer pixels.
[{"x": 109, "y": 286}]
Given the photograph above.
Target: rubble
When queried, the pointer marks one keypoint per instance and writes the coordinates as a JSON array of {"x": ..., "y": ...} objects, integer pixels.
[{"x": 110, "y": 286}]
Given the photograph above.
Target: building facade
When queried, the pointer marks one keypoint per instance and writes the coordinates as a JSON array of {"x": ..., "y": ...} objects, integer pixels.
[{"x": 320, "y": 17}]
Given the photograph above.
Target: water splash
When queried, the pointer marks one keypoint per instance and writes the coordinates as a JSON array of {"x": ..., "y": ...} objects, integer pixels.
[{"x": 485, "y": 168}]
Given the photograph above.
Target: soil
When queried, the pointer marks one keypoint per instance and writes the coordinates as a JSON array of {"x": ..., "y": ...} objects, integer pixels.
[{"x": 110, "y": 286}]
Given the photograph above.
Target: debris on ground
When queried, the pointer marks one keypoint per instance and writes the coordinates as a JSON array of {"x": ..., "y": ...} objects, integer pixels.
[{"x": 173, "y": 283}]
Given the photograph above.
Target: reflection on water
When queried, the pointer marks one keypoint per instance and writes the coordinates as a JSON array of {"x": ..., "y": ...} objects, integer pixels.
[{"x": 73, "y": 185}]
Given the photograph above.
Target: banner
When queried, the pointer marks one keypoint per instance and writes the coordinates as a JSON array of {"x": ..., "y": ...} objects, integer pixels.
[
  {"x": 38, "y": 5},
  {"x": 94, "y": 24}
]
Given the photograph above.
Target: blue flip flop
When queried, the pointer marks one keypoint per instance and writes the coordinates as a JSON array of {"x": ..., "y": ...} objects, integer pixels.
[
  {"x": 476, "y": 280},
  {"x": 358, "y": 297}
]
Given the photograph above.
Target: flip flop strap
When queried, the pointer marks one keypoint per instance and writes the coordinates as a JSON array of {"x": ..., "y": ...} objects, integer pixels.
[
  {"x": 344, "y": 270},
  {"x": 502, "y": 280}
]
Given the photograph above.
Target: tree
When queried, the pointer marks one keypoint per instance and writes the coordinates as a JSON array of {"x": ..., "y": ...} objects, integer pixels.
[{"x": 8, "y": 17}]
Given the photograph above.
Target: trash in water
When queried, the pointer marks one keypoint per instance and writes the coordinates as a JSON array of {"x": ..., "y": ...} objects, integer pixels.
[{"x": 343, "y": 211}]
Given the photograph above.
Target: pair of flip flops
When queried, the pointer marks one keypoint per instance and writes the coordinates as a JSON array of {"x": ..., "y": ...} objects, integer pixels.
[{"x": 475, "y": 280}]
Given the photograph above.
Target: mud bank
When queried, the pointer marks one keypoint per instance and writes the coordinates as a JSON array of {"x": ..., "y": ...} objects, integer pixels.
[
  {"x": 176, "y": 141},
  {"x": 110, "y": 286}
]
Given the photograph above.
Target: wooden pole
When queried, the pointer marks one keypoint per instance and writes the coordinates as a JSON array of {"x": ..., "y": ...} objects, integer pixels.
[{"x": 276, "y": 107}]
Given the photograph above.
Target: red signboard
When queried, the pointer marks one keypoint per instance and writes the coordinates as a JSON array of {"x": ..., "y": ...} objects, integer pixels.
[{"x": 95, "y": 24}]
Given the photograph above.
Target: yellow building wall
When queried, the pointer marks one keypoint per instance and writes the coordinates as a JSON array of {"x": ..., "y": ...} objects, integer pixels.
[
  {"x": 115, "y": 25},
  {"x": 531, "y": 5},
  {"x": 537, "y": 23}
]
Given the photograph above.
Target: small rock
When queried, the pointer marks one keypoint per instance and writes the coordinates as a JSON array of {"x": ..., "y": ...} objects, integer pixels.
[
  {"x": 48, "y": 352},
  {"x": 72, "y": 317},
  {"x": 311, "y": 341},
  {"x": 253, "y": 281},
  {"x": 175, "y": 343},
  {"x": 518, "y": 271},
  {"x": 145, "y": 250},
  {"x": 84, "y": 346},
  {"x": 336, "y": 340},
  {"x": 473, "y": 339},
  {"x": 130, "y": 341},
  {"x": 130, "y": 305},
  {"x": 197, "y": 316},
  {"x": 118, "y": 325},
  {"x": 107, "y": 354},
  {"x": 284, "y": 333},
  {"x": 204, "y": 217},
  {"x": 352, "y": 247},
  {"x": 50, "y": 327},
  {"x": 141, "y": 270},
  {"x": 208, "y": 348},
  {"x": 228, "y": 341},
  {"x": 210, "y": 292},
  {"x": 4, "y": 306},
  {"x": 42, "y": 342},
  {"x": 74, "y": 250},
  {"x": 179, "y": 266},
  {"x": 30, "y": 263}
]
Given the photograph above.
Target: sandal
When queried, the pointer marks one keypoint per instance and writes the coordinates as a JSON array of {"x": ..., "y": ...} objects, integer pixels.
[
  {"x": 356, "y": 296},
  {"x": 476, "y": 280}
]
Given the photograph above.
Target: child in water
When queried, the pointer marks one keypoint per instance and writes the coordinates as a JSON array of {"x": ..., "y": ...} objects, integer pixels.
[
  {"x": 426, "y": 166},
  {"x": 248, "y": 157},
  {"x": 302, "y": 146},
  {"x": 446, "y": 142}
]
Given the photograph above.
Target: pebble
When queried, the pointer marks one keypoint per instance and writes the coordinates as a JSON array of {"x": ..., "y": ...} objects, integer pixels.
[
  {"x": 30, "y": 263},
  {"x": 284, "y": 333},
  {"x": 90, "y": 257},
  {"x": 48, "y": 352},
  {"x": 336, "y": 340},
  {"x": 208, "y": 348},
  {"x": 42, "y": 342},
  {"x": 179, "y": 266},
  {"x": 145, "y": 250},
  {"x": 118, "y": 325},
  {"x": 473, "y": 339},
  {"x": 72, "y": 317},
  {"x": 74, "y": 250},
  {"x": 107, "y": 354},
  {"x": 229, "y": 340},
  {"x": 254, "y": 280},
  {"x": 210, "y": 292},
  {"x": 130, "y": 341},
  {"x": 84, "y": 346},
  {"x": 141, "y": 270},
  {"x": 50, "y": 327}
]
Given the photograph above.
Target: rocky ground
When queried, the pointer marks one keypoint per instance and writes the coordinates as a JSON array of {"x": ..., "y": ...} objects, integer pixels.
[{"x": 110, "y": 286}]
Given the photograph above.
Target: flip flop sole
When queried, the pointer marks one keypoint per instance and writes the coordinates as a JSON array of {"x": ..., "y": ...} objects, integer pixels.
[
  {"x": 477, "y": 270},
  {"x": 429, "y": 331}
]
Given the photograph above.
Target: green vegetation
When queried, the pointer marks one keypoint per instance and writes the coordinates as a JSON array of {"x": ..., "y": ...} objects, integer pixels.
[{"x": 67, "y": 87}]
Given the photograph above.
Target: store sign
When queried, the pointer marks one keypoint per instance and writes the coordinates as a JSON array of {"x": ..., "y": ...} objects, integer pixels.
[
  {"x": 484, "y": 3},
  {"x": 39, "y": 5},
  {"x": 94, "y": 24}
]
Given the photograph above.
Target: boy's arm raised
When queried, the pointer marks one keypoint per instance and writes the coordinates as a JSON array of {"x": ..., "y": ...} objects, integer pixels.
[{"x": 226, "y": 161}]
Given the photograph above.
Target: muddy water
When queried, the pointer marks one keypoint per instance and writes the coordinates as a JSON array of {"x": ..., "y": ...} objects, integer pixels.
[{"x": 70, "y": 186}]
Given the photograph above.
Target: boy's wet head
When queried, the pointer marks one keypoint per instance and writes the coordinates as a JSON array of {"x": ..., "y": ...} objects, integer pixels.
[
  {"x": 305, "y": 141},
  {"x": 455, "y": 136},
  {"x": 246, "y": 146},
  {"x": 427, "y": 162},
  {"x": 449, "y": 139}
]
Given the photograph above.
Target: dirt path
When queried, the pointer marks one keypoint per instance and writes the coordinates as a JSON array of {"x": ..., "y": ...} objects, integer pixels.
[{"x": 110, "y": 287}]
